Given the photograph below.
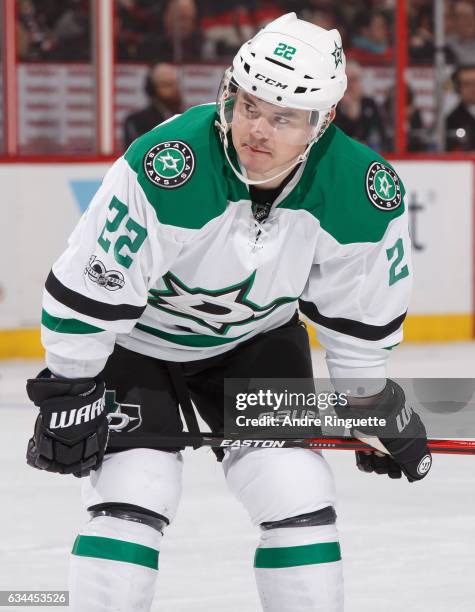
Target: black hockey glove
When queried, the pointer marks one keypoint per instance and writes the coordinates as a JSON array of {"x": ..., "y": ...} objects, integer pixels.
[
  {"x": 404, "y": 436},
  {"x": 71, "y": 430}
]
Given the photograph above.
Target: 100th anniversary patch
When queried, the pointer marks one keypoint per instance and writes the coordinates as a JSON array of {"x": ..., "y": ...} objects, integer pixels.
[
  {"x": 383, "y": 187},
  {"x": 169, "y": 164},
  {"x": 112, "y": 280}
]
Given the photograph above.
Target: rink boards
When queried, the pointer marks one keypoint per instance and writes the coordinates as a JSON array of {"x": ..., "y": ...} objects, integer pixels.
[{"x": 43, "y": 202}]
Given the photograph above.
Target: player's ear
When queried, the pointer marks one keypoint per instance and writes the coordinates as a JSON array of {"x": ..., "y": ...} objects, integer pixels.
[{"x": 332, "y": 114}]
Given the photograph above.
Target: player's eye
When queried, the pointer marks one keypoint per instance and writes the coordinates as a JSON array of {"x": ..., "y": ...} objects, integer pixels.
[
  {"x": 250, "y": 109},
  {"x": 281, "y": 120}
]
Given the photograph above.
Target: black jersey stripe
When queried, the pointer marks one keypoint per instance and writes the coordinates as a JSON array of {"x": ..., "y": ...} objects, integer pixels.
[
  {"x": 350, "y": 327},
  {"x": 89, "y": 307}
]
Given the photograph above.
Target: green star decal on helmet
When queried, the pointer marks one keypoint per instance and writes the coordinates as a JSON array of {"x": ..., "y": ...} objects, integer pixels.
[{"x": 338, "y": 55}]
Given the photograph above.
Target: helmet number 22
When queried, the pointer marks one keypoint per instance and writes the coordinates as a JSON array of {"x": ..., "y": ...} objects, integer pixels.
[{"x": 285, "y": 51}]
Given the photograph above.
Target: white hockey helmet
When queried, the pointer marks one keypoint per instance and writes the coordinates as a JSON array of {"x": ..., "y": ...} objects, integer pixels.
[
  {"x": 293, "y": 63},
  {"x": 290, "y": 63}
]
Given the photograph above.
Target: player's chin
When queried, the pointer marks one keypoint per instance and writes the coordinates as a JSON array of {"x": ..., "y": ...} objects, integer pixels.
[{"x": 253, "y": 163}]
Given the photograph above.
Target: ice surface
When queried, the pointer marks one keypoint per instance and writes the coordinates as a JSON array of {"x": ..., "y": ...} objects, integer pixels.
[{"x": 405, "y": 546}]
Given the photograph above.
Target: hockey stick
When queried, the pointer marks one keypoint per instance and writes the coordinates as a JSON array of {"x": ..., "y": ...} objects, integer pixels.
[{"x": 117, "y": 442}]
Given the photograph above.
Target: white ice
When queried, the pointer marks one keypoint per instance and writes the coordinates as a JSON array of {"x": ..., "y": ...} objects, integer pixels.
[{"x": 405, "y": 546}]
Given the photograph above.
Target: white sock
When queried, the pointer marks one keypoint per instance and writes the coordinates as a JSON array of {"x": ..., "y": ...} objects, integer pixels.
[
  {"x": 300, "y": 568},
  {"x": 114, "y": 566}
]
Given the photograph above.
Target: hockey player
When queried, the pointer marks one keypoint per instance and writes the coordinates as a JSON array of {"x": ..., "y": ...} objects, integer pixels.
[{"x": 186, "y": 269}]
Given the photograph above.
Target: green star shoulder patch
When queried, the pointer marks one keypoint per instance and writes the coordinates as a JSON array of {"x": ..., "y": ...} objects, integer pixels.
[
  {"x": 169, "y": 164},
  {"x": 383, "y": 187}
]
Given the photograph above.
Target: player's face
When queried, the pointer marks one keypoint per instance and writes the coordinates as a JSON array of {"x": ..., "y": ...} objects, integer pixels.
[{"x": 267, "y": 137}]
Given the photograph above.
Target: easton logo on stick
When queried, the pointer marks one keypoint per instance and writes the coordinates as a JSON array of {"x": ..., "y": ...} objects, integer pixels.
[
  {"x": 383, "y": 187},
  {"x": 169, "y": 164}
]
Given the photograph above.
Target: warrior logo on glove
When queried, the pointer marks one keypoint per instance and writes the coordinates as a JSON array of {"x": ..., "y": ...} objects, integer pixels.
[
  {"x": 424, "y": 465},
  {"x": 71, "y": 430},
  {"x": 86, "y": 413}
]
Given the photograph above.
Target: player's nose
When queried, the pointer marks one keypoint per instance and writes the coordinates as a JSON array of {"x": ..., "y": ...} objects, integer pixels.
[{"x": 260, "y": 128}]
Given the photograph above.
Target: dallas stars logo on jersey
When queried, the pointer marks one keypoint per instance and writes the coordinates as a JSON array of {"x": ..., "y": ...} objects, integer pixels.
[
  {"x": 217, "y": 310},
  {"x": 122, "y": 417},
  {"x": 383, "y": 187},
  {"x": 169, "y": 164}
]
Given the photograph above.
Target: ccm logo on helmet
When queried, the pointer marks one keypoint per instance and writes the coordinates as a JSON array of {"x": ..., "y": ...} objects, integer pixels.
[{"x": 262, "y": 77}]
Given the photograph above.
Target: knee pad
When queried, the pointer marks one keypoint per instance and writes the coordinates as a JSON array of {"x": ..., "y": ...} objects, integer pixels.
[
  {"x": 129, "y": 512},
  {"x": 279, "y": 483},
  {"x": 325, "y": 516},
  {"x": 141, "y": 485}
]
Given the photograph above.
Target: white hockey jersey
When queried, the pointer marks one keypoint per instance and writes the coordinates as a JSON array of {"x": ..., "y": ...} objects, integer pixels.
[{"x": 169, "y": 261}]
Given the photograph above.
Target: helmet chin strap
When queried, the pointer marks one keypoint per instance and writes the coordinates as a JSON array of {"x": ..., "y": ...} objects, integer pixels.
[{"x": 299, "y": 159}]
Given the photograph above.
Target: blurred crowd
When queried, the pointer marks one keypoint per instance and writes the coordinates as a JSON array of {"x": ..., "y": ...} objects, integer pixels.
[
  {"x": 174, "y": 31},
  {"x": 209, "y": 30},
  {"x": 185, "y": 30},
  {"x": 49, "y": 30}
]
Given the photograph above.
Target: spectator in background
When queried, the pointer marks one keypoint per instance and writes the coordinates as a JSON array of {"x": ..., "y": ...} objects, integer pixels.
[
  {"x": 134, "y": 20},
  {"x": 418, "y": 139},
  {"x": 54, "y": 31},
  {"x": 71, "y": 33},
  {"x": 462, "y": 43},
  {"x": 372, "y": 40},
  {"x": 324, "y": 14},
  {"x": 358, "y": 115},
  {"x": 421, "y": 32},
  {"x": 165, "y": 100},
  {"x": 449, "y": 19},
  {"x": 460, "y": 124},
  {"x": 34, "y": 35},
  {"x": 226, "y": 25},
  {"x": 178, "y": 37},
  {"x": 372, "y": 32}
]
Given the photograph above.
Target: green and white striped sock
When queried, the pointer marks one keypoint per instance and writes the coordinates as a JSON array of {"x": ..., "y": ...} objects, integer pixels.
[
  {"x": 114, "y": 566},
  {"x": 300, "y": 568}
]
